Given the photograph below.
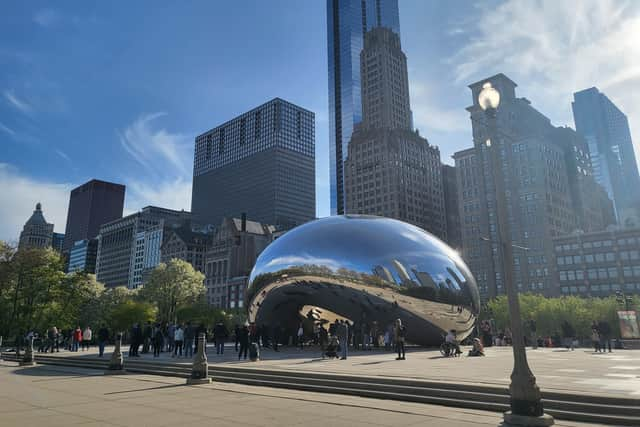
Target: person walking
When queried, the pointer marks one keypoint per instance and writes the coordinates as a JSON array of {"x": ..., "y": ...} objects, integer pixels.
[
  {"x": 400, "y": 333},
  {"x": 158, "y": 341},
  {"x": 323, "y": 339},
  {"x": 534, "y": 335},
  {"x": 103, "y": 337},
  {"x": 595, "y": 336},
  {"x": 243, "y": 339},
  {"x": 276, "y": 336},
  {"x": 236, "y": 334},
  {"x": 178, "y": 339},
  {"x": 87, "y": 335},
  {"x": 171, "y": 331},
  {"x": 77, "y": 338},
  {"x": 605, "y": 335},
  {"x": 343, "y": 334},
  {"x": 189, "y": 336},
  {"x": 300, "y": 336},
  {"x": 54, "y": 339},
  {"x": 220, "y": 335},
  {"x": 568, "y": 334},
  {"x": 147, "y": 335}
]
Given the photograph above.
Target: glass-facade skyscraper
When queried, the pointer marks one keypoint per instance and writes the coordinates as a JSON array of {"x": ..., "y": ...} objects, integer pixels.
[
  {"x": 347, "y": 22},
  {"x": 606, "y": 130}
]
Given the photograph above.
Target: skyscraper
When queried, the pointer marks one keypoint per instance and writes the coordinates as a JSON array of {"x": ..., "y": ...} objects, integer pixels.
[
  {"x": 548, "y": 186},
  {"x": 606, "y": 130},
  {"x": 391, "y": 170},
  {"x": 128, "y": 246},
  {"x": 37, "y": 232},
  {"x": 90, "y": 205},
  {"x": 261, "y": 163},
  {"x": 347, "y": 23}
]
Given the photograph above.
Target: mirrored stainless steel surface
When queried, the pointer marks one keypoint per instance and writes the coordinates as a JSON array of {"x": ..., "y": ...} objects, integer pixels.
[{"x": 366, "y": 269}]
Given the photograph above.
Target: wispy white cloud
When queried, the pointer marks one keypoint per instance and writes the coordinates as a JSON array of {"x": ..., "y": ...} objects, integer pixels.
[
  {"x": 46, "y": 17},
  {"x": 427, "y": 115},
  {"x": 156, "y": 149},
  {"x": 172, "y": 194},
  {"x": 557, "y": 48},
  {"x": 166, "y": 159},
  {"x": 18, "y": 198},
  {"x": 7, "y": 129},
  {"x": 17, "y": 103},
  {"x": 63, "y": 155}
]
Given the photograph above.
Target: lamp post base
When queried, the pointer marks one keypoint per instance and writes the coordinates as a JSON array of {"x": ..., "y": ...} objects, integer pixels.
[
  {"x": 196, "y": 381},
  {"x": 543, "y": 420}
]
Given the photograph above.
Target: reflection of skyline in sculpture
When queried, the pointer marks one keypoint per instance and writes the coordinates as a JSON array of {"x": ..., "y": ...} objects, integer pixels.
[{"x": 366, "y": 269}]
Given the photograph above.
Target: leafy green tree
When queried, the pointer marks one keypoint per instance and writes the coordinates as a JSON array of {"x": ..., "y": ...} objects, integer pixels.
[
  {"x": 171, "y": 286},
  {"x": 549, "y": 313},
  {"x": 128, "y": 312},
  {"x": 30, "y": 283}
]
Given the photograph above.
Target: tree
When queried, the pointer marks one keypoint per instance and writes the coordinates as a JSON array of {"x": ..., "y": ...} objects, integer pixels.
[
  {"x": 171, "y": 286},
  {"x": 549, "y": 313},
  {"x": 31, "y": 280},
  {"x": 126, "y": 313}
]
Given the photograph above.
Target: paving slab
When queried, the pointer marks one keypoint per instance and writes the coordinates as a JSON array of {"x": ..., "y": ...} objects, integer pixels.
[
  {"x": 556, "y": 369},
  {"x": 141, "y": 401}
]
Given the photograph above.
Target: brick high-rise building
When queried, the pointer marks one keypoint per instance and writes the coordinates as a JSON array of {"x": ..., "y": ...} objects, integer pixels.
[
  {"x": 390, "y": 169},
  {"x": 90, "y": 205}
]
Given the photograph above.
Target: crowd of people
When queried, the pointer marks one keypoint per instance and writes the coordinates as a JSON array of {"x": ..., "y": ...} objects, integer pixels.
[{"x": 333, "y": 339}]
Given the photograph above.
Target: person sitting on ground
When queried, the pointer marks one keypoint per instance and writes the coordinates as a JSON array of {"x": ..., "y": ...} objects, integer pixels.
[
  {"x": 478, "y": 349},
  {"x": 452, "y": 342}
]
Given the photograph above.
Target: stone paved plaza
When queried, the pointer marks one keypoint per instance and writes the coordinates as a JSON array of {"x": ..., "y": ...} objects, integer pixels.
[
  {"x": 579, "y": 371},
  {"x": 54, "y": 396}
]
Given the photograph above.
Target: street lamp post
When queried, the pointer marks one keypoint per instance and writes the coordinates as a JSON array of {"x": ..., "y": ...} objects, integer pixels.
[{"x": 525, "y": 402}]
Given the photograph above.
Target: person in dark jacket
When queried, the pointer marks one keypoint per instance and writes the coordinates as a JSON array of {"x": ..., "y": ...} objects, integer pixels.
[
  {"x": 147, "y": 336},
  {"x": 189, "y": 336},
  {"x": 236, "y": 334},
  {"x": 158, "y": 340},
  {"x": 605, "y": 335},
  {"x": 244, "y": 341},
  {"x": 103, "y": 337},
  {"x": 220, "y": 335}
]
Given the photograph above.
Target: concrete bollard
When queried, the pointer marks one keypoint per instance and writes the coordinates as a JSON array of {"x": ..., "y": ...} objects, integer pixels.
[
  {"x": 28, "y": 359},
  {"x": 200, "y": 369},
  {"x": 116, "y": 364}
]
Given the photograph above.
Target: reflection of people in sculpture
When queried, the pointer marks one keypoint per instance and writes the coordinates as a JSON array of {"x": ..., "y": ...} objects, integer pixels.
[{"x": 477, "y": 349}]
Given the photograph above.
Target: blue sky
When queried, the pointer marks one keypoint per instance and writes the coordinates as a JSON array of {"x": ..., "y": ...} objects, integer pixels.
[{"x": 118, "y": 90}]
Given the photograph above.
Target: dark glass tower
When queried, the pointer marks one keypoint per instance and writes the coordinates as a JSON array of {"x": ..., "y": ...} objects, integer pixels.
[
  {"x": 261, "y": 163},
  {"x": 91, "y": 205},
  {"x": 347, "y": 22},
  {"x": 606, "y": 130}
]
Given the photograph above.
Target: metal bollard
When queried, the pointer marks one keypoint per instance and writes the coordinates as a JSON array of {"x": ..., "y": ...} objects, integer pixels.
[
  {"x": 200, "y": 369},
  {"x": 28, "y": 359},
  {"x": 116, "y": 364}
]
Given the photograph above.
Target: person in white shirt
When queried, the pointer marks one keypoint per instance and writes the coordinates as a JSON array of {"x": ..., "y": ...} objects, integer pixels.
[
  {"x": 178, "y": 338},
  {"x": 87, "y": 334},
  {"x": 453, "y": 342}
]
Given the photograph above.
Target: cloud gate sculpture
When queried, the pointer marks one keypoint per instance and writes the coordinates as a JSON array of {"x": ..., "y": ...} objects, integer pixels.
[{"x": 366, "y": 269}]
